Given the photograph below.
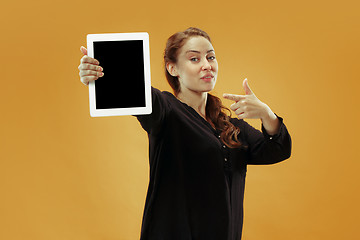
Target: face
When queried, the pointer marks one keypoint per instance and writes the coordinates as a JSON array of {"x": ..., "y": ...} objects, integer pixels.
[{"x": 196, "y": 66}]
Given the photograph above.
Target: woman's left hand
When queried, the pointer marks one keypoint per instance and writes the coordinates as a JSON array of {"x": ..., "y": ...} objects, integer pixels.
[{"x": 248, "y": 106}]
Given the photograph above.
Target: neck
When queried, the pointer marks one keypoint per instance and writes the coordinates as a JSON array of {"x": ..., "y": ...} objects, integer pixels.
[{"x": 196, "y": 100}]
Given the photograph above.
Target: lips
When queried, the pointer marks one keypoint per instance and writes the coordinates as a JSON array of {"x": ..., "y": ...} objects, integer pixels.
[{"x": 208, "y": 77}]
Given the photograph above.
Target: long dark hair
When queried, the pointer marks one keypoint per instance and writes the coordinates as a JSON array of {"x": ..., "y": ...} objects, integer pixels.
[{"x": 215, "y": 111}]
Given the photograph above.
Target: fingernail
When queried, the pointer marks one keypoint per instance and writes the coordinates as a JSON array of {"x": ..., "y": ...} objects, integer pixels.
[
  {"x": 101, "y": 74},
  {"x": 100, "y": 69}
]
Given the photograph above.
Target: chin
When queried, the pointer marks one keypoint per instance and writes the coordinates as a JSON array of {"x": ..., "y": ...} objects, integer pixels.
[
  {"x": 209, "y": 89},
  {"x": 212, "y": 86}
]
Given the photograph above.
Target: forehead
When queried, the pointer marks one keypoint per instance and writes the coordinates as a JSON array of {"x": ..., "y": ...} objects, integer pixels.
[{"x": 197, "y": 43}]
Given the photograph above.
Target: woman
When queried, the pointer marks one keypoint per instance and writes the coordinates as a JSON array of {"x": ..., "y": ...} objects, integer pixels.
[{"x": 198, "y": 154}]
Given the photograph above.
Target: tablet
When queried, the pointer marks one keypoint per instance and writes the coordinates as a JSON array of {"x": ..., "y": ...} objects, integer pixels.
[{"x": 125, "y": 88}]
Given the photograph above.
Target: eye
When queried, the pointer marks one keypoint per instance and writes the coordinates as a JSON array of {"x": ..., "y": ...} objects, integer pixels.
[
  {"x": 194, "y": 59},
  {"x": 212, "y": 58}
]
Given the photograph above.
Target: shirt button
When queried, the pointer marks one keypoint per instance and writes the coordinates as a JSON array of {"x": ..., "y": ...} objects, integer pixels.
[
  {"x": 224, "y": 146},
  {"x": 225, "y": 159},
  {"x": 271, "y": 138},
  {"x": 219, "y": 136}
]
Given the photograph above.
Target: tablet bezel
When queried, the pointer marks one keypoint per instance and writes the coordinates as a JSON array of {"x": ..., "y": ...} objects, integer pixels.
[{"x": 144, "y": 36}]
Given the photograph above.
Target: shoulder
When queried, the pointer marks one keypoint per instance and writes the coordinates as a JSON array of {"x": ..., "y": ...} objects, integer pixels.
[
  {"x": 162, "y": 94},
  {"x": 167, "y": 102},
  {"x": 159, "y": 97},
  {"x": 167, "y": 97}
]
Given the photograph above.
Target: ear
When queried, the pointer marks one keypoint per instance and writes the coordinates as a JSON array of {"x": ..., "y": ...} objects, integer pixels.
[{"x": 171, "y": 68}]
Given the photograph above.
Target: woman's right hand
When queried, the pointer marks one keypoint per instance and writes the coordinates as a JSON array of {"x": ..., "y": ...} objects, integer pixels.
[{"x": 89, "y": 69}]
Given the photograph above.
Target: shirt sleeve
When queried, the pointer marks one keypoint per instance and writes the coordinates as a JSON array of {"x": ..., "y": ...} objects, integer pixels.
[
  {"x": 264, "y": 148},
  {"x": 152, "y": 123}
]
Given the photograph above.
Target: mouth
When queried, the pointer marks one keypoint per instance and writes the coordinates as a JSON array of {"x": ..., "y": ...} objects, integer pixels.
[{"x": 207, "y": 77}]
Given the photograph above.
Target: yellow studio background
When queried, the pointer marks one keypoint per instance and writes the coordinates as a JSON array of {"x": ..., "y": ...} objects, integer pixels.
[{"x": 67, "y": 176}]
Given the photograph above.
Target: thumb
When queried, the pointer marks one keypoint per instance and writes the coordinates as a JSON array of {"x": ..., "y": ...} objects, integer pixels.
[
  {"x": 83, "y": 50},
  {"x": 247, "y": 87}
]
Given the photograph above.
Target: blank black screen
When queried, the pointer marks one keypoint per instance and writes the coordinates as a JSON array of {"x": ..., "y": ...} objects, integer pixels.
[{"x": 123, "y": 83}]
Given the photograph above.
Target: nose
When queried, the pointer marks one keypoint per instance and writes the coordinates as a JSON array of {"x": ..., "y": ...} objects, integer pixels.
[{"x": 206, "y": 65}]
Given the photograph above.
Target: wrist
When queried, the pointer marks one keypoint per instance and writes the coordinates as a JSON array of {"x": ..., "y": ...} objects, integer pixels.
[
  {"x": 268, "y": 115},
  {"x": 270, "y": 122}
]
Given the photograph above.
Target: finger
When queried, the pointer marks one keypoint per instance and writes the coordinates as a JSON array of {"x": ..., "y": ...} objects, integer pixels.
[
  {"x": 85, "y": 80},
  {"x": 235, "y": 106},
  {"x": 242, "y": 116},
  {"x": 84, "y": 73},
  {"x": 233, "y": 97},
  {"x": 87, "y": 59},
  {"x": 239, "y": 111},
  {"x": 247, "y": 87},
  {"x": 85, "y": 66},
  {"x": 245, "y": 113},
  {"x": 83, "y": 50},
  {"x": 90, "y": 60},
  {"x": 238, "y": 104}
]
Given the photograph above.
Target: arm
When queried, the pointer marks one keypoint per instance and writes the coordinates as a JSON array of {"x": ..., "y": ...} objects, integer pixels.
[
  {"x": 265, "y": 148},
  {"x": 152, "y": 123},
  {"x": 273, "y": 144}
]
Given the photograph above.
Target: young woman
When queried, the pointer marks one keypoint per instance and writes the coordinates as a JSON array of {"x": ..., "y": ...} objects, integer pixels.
[{"x": 198, "y": 154}]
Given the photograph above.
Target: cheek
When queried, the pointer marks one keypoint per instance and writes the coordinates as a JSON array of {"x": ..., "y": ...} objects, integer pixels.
[
  {"x": 215, "y": 66},
  {"x": 184, "y": 69},
  {"x": 191, "y": 70}
]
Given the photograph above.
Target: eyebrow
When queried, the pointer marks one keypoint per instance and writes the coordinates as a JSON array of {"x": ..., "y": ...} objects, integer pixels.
[{"x": 198, "y": 51}]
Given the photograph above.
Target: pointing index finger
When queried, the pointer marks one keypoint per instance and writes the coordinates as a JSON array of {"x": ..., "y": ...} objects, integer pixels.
[{"x": 233, "y": 97}]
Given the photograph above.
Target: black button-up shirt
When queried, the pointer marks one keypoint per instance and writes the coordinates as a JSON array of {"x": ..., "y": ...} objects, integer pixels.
[{"x": 196, "y": 187}]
